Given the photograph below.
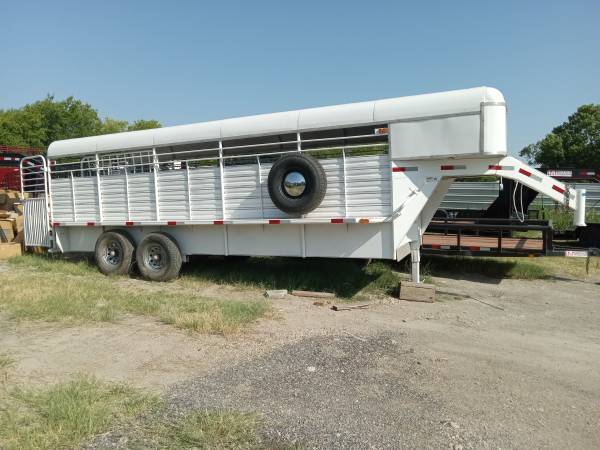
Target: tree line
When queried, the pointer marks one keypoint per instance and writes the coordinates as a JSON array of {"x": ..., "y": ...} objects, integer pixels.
[
  {"x": 573, "y": 144},
  {"x": 38, "y": 124}
]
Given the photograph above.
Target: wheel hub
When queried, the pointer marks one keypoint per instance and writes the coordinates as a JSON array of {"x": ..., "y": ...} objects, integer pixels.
[
  {"x": 155, "y": 257},
  {"x": 114, "y": 253},
  {"x": 294, "y": 184}
]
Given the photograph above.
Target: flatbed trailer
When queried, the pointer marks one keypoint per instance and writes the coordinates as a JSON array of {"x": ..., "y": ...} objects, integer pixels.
[{"x": 361, "y": 180}]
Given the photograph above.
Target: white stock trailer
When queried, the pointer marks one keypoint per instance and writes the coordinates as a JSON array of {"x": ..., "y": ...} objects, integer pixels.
[{"x": 360, "y": 180}]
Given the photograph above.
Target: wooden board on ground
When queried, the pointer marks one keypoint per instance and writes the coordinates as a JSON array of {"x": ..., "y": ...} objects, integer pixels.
[
  {"x": 417, "y": 292},
  {"x": 10, "y": 250}
]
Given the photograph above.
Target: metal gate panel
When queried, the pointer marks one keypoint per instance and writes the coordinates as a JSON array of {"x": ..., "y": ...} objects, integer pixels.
[{"x": 35, "y": 222}]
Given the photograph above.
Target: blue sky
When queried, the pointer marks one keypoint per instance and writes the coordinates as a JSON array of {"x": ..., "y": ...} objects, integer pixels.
[{"x": 189, "y": 61}]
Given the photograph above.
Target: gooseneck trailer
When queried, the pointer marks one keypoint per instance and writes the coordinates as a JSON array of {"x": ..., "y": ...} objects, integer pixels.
[{"x": 360, "y": 180}]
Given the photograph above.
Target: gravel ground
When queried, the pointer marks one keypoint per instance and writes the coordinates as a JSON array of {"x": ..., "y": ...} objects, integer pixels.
[{"x": 333, "y": 392}]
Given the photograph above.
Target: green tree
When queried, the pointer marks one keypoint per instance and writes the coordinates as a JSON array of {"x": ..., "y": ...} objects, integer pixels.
[
  {"x": 575, "y": 143},
  {"x": 42, "y": 122},
  {"x": 22, "y": 128},
  {"x": 66, "y": 119},
  {"x": 109, "y": 126},
  {"x": 143, "y": 125}
]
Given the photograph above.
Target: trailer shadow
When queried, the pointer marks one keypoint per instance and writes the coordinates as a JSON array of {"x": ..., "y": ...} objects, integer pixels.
[
  {"x": 480, "y": 269},
  {"x": 343, "y": 277}
]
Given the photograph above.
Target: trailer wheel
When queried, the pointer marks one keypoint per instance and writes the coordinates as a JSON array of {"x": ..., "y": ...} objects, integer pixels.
[
  {"x": 297, "y": 183},
  {"x": 158, "y": 257},
  {"x": 114, "y": 253}
]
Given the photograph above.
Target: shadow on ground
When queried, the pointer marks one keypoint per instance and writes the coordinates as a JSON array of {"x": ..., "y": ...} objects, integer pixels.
[{"x": 344, "y": 277}]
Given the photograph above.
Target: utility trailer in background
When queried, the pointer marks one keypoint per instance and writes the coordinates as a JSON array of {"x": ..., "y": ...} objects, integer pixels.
[{"x": 361, "y": 180}]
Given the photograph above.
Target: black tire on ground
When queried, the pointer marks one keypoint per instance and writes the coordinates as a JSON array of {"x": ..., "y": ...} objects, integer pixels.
[
  {"x": 114, "y": 253},
  {"x": 158, "y": 257},
  {"x": 314, "y": 190}
]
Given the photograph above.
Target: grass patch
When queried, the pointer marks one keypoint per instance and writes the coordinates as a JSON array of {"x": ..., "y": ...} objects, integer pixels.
[
  {"x": 520, "y": 268},
  {"x": 75, "y": 412},
  {"x": 61, "y": 294},
  {"x": 51, "y": 264},
  {"x": 65, "y": 414},
  {"x": 562, "y": 218},
  {"x": 344, "y": 277},
  {"x": 6, "y": 362},
  {"x": 512, "y": 267},
  {"x": 533, "y": 234},
  {"x": 198, "y": 429}
]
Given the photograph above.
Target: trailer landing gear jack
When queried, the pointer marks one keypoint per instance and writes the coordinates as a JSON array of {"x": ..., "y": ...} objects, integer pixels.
[{"x": 415, "y": 260}]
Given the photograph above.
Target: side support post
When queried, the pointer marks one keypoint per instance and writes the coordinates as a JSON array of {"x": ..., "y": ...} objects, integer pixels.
[{"x": 415, "y": 259}]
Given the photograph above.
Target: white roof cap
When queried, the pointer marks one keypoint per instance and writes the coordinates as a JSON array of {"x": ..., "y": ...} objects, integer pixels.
[{"x": 352, "y": 114}]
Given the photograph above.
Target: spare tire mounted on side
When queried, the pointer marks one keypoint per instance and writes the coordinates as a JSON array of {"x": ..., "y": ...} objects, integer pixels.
[{"x": 297, "y": 183}]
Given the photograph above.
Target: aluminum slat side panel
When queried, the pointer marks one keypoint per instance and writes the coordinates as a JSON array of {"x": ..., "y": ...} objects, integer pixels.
[
  {"x": 173, "y": 201},
  {"x": 35, "y": 222},
  {"x": 114, "y": 197},
  {"x": 142, "y": 201},
  {"x": 205, "y": 193},
  {"x": 62, "y": 200},
  {"x": 86, "y": 199},
  {"x": 195, "y": 193}
]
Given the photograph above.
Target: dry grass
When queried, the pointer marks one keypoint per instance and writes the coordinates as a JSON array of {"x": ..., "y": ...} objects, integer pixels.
[
  {"x": 65, "y": 414},
  {"x": 75, "y": 412},
  {"x": 74, "y": 292}
]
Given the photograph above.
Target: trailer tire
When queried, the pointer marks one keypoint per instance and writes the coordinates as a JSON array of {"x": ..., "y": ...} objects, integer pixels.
[
  {"x": 114, "y": 253},
  {"x": 158, "y": 257},
  {"x": 310, "y": 191}
]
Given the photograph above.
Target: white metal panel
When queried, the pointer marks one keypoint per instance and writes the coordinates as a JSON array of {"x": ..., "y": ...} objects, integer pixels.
[
  {"x": 349, "y": 241},
  {"x": 86, "y": 199},
  {"x": 62, "y": 200},
  {"x": 172, "y": 194},
  {"x": 436, "y": 138},
  {"x": 331, "y": 116},
  {"x": 142, "y": 201},
  {"x": 494, "y": 129},
  {"x": 437, "y": 104},
  {"x": 182, "y": 134},
  {"x": 205, "y": 193},
  {"x": 276, "y": 123},
  {"x": 264, "y": 240},
  {"x": 132, "y": 139},
  {"x": 114, "y": 197}
]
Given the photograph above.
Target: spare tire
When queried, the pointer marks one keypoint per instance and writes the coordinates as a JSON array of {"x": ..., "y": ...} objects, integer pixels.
[{"x": 297, "y": 183}]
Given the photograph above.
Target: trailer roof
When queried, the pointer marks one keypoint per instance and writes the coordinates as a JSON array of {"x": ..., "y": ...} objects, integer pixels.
[{"x": 351, "y": 114}]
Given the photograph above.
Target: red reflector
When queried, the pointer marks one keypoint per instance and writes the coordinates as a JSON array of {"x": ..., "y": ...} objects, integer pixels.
[
  {"x": 493, "y": 167},
  {"x": 447, "y": 167},
  {"x": 525, "y": 172},
  {"x": 474, "y": 249},
  {"x": 274, "y": 221},
  {"x": 337, "y": 220},
  {"x": 56, "y": 224},
  {"x": 217, "y": 222},
  {"x": 129, "y": 224},
  {"x": 171, "y": 223},
  {"x": 91, "y": 224},
  {"x": 398, "y": 169},
  {"x": 558, "y": 189},
  {"x": 435, "y": 246}
]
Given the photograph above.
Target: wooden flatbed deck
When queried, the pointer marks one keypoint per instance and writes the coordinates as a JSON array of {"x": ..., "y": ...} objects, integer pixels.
[{"x": 481, "y": 243}]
